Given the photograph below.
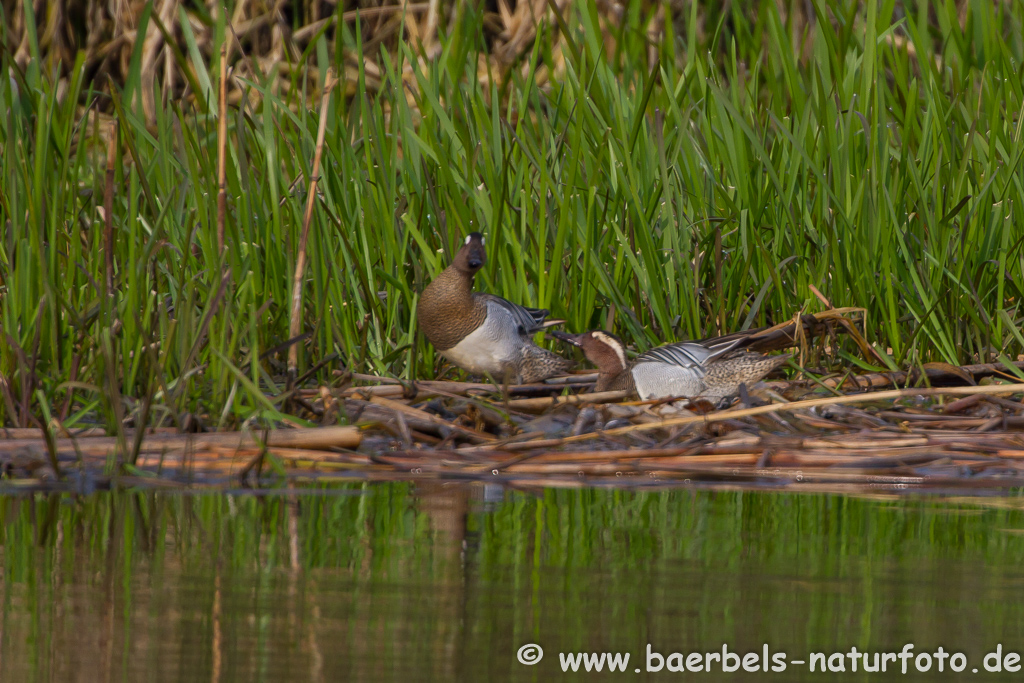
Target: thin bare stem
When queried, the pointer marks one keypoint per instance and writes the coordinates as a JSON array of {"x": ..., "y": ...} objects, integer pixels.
[
  {"x": 222, "y": 143},
  {"x": 108, "y": 211},
  {"x": 307, "y": 219}
]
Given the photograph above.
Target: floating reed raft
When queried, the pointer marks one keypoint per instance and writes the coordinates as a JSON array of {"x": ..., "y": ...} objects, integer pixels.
[
  {"x": 958, "y": 439},
  {"x": 803, "y": 435}
]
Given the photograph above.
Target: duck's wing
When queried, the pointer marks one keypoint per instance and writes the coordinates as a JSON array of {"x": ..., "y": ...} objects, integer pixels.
[
  {"x": 689, "y": 354},
  {"x": 529, "y": 320},
  {"x": 762, "y": 339}
]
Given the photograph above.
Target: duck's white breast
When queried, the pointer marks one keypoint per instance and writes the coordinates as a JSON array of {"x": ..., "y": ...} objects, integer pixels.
[{"x": 489, "y": 348}]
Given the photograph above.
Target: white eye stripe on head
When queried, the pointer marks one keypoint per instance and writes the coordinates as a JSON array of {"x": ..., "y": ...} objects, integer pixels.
[
  {"x": 616, "y": 346},
  {"x": 468, "y": 239},
  {"x": 483, "y": 240}
]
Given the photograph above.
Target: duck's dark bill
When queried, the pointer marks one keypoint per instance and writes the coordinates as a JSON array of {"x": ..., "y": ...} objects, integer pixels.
[{"x": 566, "y": 337}]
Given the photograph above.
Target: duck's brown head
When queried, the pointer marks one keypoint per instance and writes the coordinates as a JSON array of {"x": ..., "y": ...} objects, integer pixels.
[
  {"x": 472, "y": 256},
  {"x": 601, "y": 348}
]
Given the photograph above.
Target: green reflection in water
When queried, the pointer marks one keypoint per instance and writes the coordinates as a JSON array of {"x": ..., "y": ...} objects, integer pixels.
[{"x": 445, "y": 582}]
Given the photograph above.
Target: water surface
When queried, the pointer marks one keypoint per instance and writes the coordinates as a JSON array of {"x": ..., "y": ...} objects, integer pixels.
[{"x": 445, "y": 582}]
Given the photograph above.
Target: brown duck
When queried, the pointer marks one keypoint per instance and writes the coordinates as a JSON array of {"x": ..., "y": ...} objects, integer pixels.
[
  {"x": 482, "y": 333},
  {"x": 711, "y": 370}
]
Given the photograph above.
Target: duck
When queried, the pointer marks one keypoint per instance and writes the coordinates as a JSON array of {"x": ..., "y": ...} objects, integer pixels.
[
  {"x": 482, "y": 333},
  {"x": 712, "y": 370}
]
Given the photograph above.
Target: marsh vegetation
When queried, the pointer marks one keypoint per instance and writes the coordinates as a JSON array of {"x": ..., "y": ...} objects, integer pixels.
[{"x": 668, "y": 170}]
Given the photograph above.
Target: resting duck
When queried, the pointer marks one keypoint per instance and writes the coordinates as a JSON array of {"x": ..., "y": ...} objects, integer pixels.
[
  {"x": 482, "y": 333},
  {"x": 711, "y": 370}
]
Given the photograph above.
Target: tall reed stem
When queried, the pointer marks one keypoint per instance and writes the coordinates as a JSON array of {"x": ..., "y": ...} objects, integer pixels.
[{"x": 300, "y": 261}]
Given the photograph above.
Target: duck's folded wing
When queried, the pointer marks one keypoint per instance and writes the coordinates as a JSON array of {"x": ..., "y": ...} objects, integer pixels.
[
  {"x": 688, "y": 354},
  {"x": 529, "y": 320}
]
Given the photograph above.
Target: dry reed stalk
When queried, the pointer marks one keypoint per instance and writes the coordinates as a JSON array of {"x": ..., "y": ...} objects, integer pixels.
[
  {"x": 952, "y": 437},
  {"x": 299, "y": 455},
  {"x": 593, "y": 469},
  {"x": 353, "y": 459},
  {"x": 731, "y": 444},
  {"x": 858, "y": 444},
  {"x": 598, "y": 456},
  {"x": 1001, "y": 402},
  {"x": 222, "y": 143},
  {"x": 393, "y": 387},
  {"x": 530, "y": 404},
  {"x": 108, "y": 211},
  {"x": 583, "y": 377},
  {"x": 423, "y": 415},
  {"x": 226, "y": 459},
  {"x": 183, "y": 464},
  {"x": 817, "y": 422},
  {"x": 946, "y": 421},
  {"x": 312, "y": 438},
  {"x": 864, "y": 462},
  {"x": 977, "y": 423},
  {"x": 37, "y": 434},
  {"x": 505, "y": 444},
  {"x": 300, "y": 262},
  {"x": 935, "y": 372},
  {"x": 360, "y": 377},
  {"x": 366, "y": 413},
  {"x": 367, "y": 393}
]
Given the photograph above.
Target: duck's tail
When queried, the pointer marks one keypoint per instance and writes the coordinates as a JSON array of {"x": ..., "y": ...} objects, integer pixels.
[
  {"x": 537, "y": 364},
  {"x": 724, "y": 377}
]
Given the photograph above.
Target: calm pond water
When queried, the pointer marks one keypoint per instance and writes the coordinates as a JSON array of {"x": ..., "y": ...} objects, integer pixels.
[{"x": 445, "y": 582}]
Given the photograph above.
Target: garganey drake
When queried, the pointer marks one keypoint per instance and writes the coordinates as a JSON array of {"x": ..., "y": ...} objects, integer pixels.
[
  {"x": 483, "y": 333},
  {"x": 712, "y": 370}
]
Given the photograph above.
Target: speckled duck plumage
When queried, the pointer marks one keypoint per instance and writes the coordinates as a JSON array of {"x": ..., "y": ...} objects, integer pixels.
[
  {"x": 482, "y": 333},
  {"x": 711, "y": 370}
]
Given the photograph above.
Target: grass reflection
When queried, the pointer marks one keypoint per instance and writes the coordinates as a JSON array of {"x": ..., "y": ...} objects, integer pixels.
[{"x": 445, "y": 581}]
